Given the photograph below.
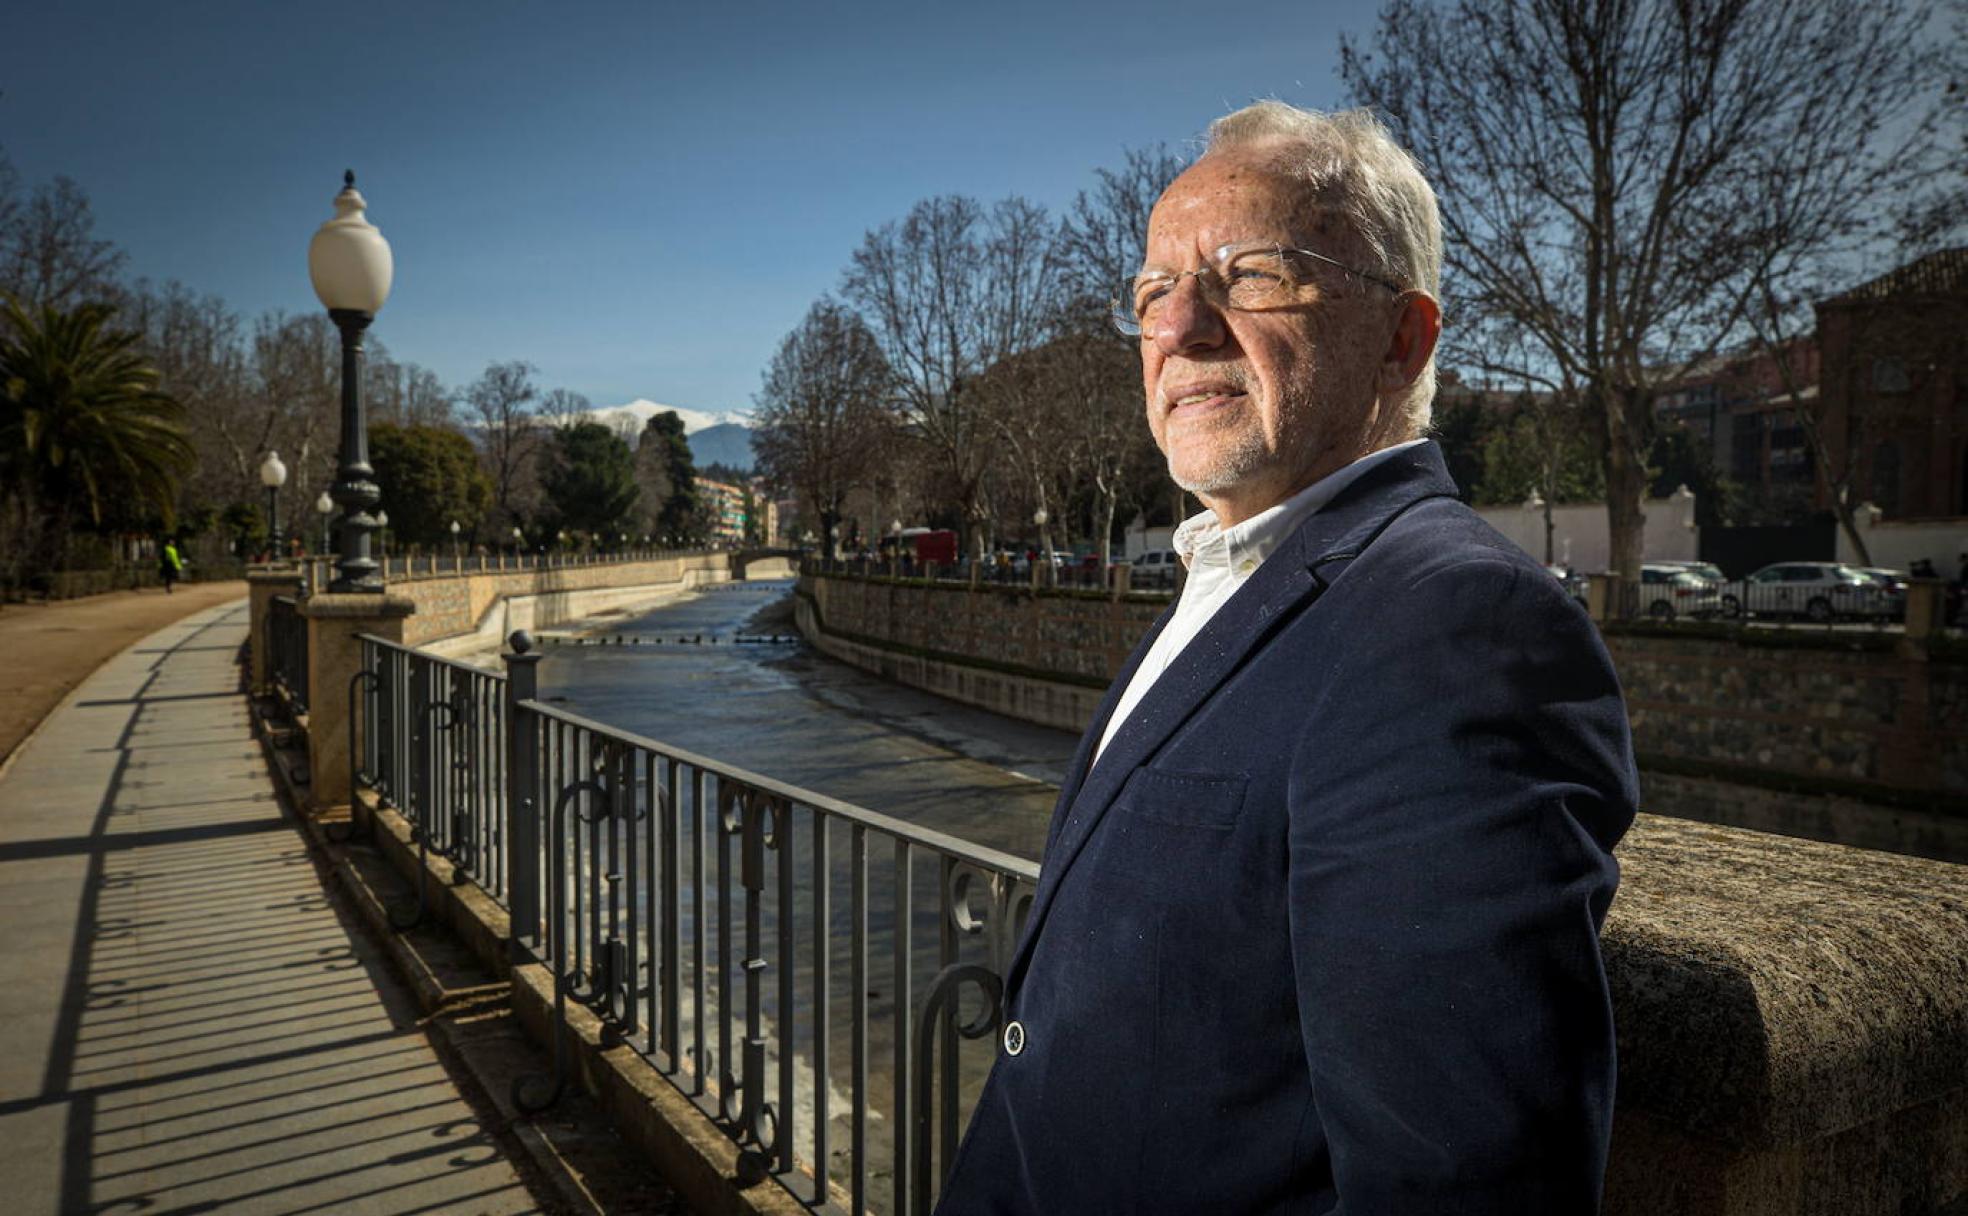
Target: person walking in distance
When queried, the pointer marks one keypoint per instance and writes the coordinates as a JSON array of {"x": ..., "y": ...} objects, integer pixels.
[{"x": 170, "y": 567}]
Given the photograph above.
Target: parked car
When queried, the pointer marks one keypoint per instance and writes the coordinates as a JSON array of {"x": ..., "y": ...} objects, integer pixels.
[
  {"x": 1730, "y": 600},
  {"x": 1667, "y": 592},
  {"x": 1156, "y": 568},
  {"x": 1892, "y": 587},
  {"x": 1817, "y": 591}
]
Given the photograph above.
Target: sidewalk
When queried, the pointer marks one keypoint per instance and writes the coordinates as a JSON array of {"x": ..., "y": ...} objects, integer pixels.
[
  {"x": 185, "y": 1025},
  {"x": 52, "y": 647}
]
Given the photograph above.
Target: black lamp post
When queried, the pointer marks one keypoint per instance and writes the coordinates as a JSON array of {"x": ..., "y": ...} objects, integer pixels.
[
  {"x": 350, "y": 265},
  {"x": 273, "y": 475}
]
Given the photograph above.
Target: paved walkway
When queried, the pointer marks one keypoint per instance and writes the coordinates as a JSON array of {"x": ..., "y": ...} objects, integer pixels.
[
  {"x": 185, "y": 1025},
  {"x": 52, "y": 647}
]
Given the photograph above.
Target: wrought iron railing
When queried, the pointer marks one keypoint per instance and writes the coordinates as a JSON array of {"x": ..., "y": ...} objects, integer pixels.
[
  {"x": 430, "y": 741},
  {"x": 710, "y": 915},
  {"x": 287, "y": 651},
  {"x": 1016, "y": 575},
  {"x": 410, "y": 567}
]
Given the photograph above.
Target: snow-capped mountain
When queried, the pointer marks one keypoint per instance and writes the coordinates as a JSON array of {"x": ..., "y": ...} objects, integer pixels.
[
  {"x": 642, "y": 409},
  {"x": 723, "y": 438}
]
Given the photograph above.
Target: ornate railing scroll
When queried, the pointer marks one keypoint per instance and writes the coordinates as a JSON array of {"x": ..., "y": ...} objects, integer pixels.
[
  {"x": 692, "y": 907},
  {"x": 430, "y": 741},
  {"x": 696, "y": 909}
]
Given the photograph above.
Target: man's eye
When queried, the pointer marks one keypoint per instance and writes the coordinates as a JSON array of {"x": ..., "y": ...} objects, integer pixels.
[{"x": 1259, "y": 274}]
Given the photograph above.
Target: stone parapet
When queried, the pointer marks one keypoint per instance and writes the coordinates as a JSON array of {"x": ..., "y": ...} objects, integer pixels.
[
  {"x": 263, "y": 583},
  {"x": 335, "y": 622},
  {"x": 1793, "y": 1026}
]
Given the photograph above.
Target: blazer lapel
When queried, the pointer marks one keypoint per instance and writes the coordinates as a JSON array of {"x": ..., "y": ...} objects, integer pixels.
[
  {"x": 1090, "y": 738},
  {"x": 1274, "y": 594}
]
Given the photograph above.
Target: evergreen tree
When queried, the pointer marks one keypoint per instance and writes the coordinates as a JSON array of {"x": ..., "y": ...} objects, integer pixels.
[
  {"x": 665, "y": 453},
  {"x": 590, "y": 481},
  {"x": 430, "y": 476}
]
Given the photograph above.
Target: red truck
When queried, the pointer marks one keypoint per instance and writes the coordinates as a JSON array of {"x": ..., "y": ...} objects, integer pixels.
[{"x": 937, "y": 545}]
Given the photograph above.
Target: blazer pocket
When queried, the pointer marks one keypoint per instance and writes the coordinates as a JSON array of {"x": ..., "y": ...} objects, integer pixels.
[{"x": 1197, "y": 800}]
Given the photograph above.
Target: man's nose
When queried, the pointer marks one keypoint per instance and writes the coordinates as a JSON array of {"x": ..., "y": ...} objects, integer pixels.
[{"x": 1189, "y": 321}]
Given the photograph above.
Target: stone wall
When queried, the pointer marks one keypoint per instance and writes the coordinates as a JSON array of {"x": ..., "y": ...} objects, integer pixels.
[
  {"x": 1863, "y": 712},
  {"x": 495, "y": 602},
  {"x": 1792, "y": 1015}
]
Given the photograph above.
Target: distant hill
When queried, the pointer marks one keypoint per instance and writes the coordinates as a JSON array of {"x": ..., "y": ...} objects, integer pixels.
[
  {"x": 728, "y": 443},
  {"x": 724, "y": 438}
]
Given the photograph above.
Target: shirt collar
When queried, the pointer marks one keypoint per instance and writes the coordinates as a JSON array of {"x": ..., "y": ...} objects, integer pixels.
[{"x": 1241, "y": 548}]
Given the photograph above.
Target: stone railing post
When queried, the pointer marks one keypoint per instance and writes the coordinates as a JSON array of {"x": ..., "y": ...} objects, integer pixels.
[
  {"x": 261, "y": 586},
  {"x": 334, "y": 656},
  {"x": 1600, "y": 592},
  {"x": 522, "y": 789},
  {"x": 1926, "y": 608}
]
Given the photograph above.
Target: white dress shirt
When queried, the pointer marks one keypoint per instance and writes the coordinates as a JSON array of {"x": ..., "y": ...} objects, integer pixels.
[{"x": 1219, "y": 561}]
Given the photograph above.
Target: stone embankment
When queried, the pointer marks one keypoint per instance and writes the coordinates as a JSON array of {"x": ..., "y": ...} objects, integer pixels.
[{"x": 1793, "y": 1014}]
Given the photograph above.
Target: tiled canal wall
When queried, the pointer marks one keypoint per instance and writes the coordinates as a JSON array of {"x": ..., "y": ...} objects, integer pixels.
[{"x": 465, "y": 610}]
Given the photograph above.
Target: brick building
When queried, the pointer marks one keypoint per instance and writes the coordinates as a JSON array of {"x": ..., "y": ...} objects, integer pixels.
[{"x": 1895, "y": 386}]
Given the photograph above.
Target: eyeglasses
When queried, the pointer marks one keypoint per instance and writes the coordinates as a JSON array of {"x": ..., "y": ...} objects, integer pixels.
[{"x": 1247, "y": 278}]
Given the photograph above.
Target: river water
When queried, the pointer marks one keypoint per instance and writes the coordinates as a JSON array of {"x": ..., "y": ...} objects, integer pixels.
[
  {"x": 784, "y": 711},
  {"x": 681, "y": 676}
]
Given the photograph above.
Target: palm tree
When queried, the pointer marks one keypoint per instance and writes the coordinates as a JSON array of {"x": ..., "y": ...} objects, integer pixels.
[{"x": 83, "y": 423}]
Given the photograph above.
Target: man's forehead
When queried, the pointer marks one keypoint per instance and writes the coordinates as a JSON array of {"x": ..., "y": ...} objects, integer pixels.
[{"x": 1239, "y": 196}]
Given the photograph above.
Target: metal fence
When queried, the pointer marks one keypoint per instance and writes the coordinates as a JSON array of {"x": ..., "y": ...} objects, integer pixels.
[
  {"x": 319, "y": 569},
  {"x": 429, "y": 739},
  {"x": 823, "y": 981},
  {"x": 287, "y": 651},
  {"x": 1116, "y": 578}
]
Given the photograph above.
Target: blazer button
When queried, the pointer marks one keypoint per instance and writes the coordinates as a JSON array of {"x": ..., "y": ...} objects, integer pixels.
[{"x": 1014, "y": 1038}]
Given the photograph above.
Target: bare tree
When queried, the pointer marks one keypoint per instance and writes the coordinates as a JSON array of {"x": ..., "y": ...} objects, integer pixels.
[
  {"x": 504, "y": 409},
  {"x": 823, "y": 411},
  {"x": 562, "y": 408},
  {"x": 49, "y": 252},
  {"x": 1104, "y": 234},
  {"x": 293, "y": 407},
  {"x": 1098, "y": 371},
  {"x": 948, "y": 292},
  {"x": 404, "y": 393},
  {"x": 1604, "y": 164}
]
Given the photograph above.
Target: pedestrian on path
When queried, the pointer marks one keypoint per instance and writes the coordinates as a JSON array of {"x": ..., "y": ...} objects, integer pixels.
[{"x": 169, "y": 565}]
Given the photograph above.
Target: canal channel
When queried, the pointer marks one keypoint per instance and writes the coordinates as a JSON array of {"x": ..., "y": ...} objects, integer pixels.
[{"x": 723, "y": 674}]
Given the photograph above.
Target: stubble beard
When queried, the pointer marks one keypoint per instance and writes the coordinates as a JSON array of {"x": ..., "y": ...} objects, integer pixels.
[{"x": 1235, "y": 456}]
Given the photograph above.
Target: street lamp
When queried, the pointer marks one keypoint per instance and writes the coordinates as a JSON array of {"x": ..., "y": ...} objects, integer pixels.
[
  {"x": 1536, "y": 502},
  {"x": 1039, "y": 518},
  {"x": 383, "y": 533},
  {"x": 349, "y": 263},
  {"x": 273, "y": 475},
  {"x": 324, "y": 506},
  {"x": 454, "y": 543}
]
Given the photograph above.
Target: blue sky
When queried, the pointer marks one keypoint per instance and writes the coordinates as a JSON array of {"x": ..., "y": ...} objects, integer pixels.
[{"x": 639, "y": 199}]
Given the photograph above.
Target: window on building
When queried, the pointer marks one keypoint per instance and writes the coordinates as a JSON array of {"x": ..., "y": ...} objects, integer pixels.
[
  {"x": 1889, "y": 375},
  {"x": 1886, "y": 477}
]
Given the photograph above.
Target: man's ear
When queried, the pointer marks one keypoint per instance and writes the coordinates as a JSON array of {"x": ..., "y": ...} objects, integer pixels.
[{"x": 1413, "y": 342}]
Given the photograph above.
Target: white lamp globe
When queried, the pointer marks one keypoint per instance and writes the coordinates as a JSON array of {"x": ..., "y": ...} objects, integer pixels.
[
  {"x": 348, "y": 260},
  {"x": 273, "y": 474}
]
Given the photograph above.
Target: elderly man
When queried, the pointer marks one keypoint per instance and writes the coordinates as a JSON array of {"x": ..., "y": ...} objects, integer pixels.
[{"x": 1318, "y": 923}]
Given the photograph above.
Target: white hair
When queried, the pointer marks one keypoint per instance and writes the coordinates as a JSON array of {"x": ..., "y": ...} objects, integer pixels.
[{"x": 1349, "y": 160}]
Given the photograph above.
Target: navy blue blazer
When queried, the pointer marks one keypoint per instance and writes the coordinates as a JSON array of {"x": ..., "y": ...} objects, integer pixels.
[{"x": 1320, "y": 932}]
